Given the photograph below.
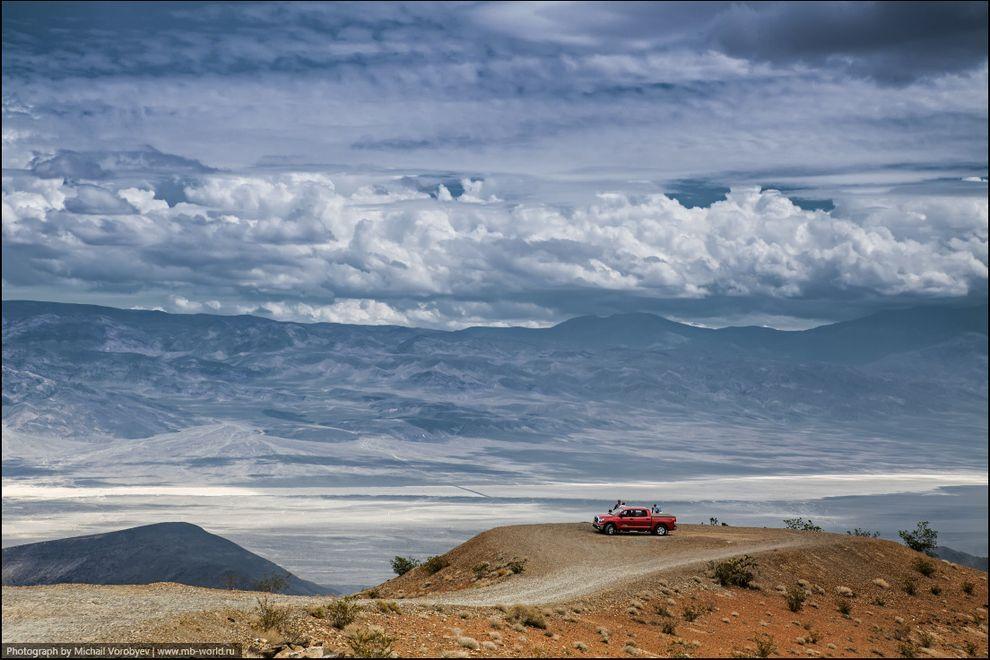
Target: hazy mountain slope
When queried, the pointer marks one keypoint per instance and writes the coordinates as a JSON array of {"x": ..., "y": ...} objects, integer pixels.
[
  {"x": 166, "y": 552},
  {"x": 84, "y": 371},
  {"x": 961, "y": 558}
]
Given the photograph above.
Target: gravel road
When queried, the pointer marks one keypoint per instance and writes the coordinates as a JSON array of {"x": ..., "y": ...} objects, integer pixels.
[
  {"x": 563, "y": 562},
  {"x": 569, "y": 561}
]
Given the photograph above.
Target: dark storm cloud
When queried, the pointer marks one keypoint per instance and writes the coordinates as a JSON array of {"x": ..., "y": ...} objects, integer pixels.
[{"x": 890, "y": 41}]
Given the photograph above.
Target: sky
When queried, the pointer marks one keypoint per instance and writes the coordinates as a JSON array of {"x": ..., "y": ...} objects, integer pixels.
[{"x": 457, "y": 164}]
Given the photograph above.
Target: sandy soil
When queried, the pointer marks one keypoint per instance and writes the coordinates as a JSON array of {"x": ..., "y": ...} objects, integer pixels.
[{"x": 598, "y": 596}]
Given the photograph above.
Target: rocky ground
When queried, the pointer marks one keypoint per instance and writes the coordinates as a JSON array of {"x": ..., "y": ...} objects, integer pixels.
[{"x": 561, "y": 590}]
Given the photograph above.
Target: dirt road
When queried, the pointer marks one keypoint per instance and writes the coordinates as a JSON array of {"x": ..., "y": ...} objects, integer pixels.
[
  {"x": 562, "y": 562},
  {"x": 568, "y": 561},
  {"x": 651, "y": 597}
]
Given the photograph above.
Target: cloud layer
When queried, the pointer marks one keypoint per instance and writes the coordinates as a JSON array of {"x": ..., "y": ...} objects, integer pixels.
[{"x": 294, "y": 246}]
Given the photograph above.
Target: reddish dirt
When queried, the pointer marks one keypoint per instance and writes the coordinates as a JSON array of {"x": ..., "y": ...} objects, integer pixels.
[{"x": 674, "y": 608}]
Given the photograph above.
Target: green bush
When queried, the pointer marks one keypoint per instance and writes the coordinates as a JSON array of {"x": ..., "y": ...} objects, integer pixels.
[
  {"x": 734, "y": 572},
  {"x": 868, "y": 533},
  {"x": 801, "y": 525},
  {"x": 922, "y": 538},
  {"x": 844, "y": 606},
  {"x": 402, "y": 565},
  {"x": 968, "y": 588}
]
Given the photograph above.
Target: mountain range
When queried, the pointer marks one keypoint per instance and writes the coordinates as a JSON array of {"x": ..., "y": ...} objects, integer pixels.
[
  {"x": 912, "y": 380},
  {"x": 164, "y": 552}
]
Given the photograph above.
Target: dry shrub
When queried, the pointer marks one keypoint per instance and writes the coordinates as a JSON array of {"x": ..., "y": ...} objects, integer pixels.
[
  {"x": 527, "y": 616},
  {"x": 765, "y": 645},
  {"x": 342, "y": 612},
  {"x": 435, "y": 564},
  {"x": 924, "y": 566},
  {"x": 370, "y": 642},
  {"x": 270, "y": 615},
  {"x": 734, "y": 572},
  {"x": 387, "y": 607},
  {"x": 795, "y": 598}
]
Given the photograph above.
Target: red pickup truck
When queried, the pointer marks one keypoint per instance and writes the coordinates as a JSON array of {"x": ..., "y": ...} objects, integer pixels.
[{"x": 635, "y": 519}]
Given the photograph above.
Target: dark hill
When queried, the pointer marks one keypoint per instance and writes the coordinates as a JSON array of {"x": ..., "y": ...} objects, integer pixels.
[
  {"x": 165, "y": 552},
  {"x": 961, "y": 558}
]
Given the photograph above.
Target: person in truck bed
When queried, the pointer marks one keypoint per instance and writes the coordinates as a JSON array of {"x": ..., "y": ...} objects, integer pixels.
[{"x": 657, "y": 508}]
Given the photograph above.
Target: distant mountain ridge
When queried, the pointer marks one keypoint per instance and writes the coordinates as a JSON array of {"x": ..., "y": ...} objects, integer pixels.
[
  {"x": 961, "y": 558},
  {"x": 859, "y": 340},
  {"x": 83, "y": 371},
  {"x": 164, "y": 552},
  {"x": 905, "y": 329}
]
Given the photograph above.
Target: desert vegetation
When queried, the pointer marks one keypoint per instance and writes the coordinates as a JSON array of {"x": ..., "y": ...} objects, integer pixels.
[
  {"x": 867, "y": 533},
  {"x": 526, "y": 615},
  {"x": 734, "y": 572},
  {"x": 342, "y": 612},
  {"x": 796, "y": 595},
  {"x": 271, "y": 616},
  {"x": 801, "y": 525},
  {"x": 370, "y": 642},
  {"x": 402, "y": 565},
  {"x": 922, "y": 538},
  {"x": 924, "y": 566},
  {"x": 435, "y": 564}
]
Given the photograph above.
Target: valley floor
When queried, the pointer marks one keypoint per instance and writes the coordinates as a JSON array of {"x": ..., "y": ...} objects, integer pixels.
[{"x": 578, "y": 594}]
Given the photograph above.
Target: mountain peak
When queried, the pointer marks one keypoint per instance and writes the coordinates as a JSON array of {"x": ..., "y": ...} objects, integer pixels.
[{"x": 161, "y": 552}]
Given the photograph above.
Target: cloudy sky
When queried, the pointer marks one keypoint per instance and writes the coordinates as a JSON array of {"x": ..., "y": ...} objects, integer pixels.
[{"x": 447, "y": 165}]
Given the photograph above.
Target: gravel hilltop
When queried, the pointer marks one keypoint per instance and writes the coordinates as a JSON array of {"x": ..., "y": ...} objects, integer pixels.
[{"x": 599, "y": 596}]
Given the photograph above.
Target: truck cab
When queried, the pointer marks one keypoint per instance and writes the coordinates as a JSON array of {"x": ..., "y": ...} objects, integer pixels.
[{"x": 634, "y": 519}]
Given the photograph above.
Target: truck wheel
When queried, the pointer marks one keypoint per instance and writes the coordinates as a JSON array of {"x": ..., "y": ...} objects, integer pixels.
[
  {"x": 610, "y": 529},
  {"x": 660, "y": 530}
]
